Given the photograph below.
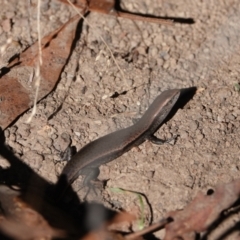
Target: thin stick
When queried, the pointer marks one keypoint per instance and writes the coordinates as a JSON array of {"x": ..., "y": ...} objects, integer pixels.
[
  {"x": 141, "y": 18},
  {"x": 151, "y": 228},
  {"x": 38, "y": 70}
]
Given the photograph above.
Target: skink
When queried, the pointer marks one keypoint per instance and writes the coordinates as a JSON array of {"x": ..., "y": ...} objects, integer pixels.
[{"x": 107, "y": 148}]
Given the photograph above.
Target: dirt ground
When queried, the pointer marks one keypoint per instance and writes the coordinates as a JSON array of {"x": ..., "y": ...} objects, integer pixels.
[{"x": 205, "y": 54}]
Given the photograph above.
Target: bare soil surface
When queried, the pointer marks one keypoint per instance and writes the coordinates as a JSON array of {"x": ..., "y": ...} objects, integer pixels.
[{"x": 153, "y": 58}]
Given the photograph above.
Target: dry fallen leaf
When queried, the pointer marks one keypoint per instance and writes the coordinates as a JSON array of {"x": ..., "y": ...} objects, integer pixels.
[
  {"x": 20, "y": 221},
  {"x": 202, "y": 212},
  {"x": 17, "y": 87}
]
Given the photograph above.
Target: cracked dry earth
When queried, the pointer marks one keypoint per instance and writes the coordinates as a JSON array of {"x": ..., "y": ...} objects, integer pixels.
[{"x": 153, "y": 58}]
